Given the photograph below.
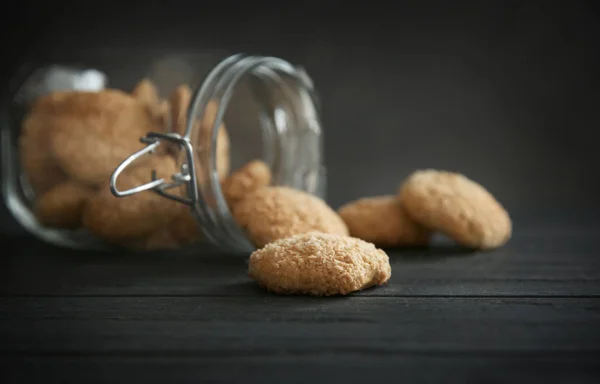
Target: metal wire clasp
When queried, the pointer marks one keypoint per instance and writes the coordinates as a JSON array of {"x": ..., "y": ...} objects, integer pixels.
[{"x": 186, "y": 176}]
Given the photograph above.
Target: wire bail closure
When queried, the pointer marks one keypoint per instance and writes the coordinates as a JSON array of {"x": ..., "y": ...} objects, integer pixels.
[
  {"x": 280, "y": 87},
  {"x": 186, "y": 176}
]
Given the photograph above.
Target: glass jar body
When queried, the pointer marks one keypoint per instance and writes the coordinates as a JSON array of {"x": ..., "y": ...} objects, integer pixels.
[{"x": 267, "y": 109}]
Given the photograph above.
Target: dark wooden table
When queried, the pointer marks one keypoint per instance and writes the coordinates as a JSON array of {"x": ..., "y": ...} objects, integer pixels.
[{"x": 529, "y": 312}]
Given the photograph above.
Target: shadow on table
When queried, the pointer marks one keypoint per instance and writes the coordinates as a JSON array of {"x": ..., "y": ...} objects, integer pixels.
[{"x": 430, "y": 253}]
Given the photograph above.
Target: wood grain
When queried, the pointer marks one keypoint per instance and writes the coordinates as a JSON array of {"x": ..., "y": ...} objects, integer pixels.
[
  {"x": 528, "y": 312},
  {"x": 363, "y": 368},
  {"x": 530, "y": 266},
  {"x": 257, "y": 326}
]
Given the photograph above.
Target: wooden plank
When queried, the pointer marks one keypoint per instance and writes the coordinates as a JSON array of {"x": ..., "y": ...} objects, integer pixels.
[
  {"x": 305, "y": 369},
  {"x": 531, "y": 266},
  {"x": 256, "y": 326}
]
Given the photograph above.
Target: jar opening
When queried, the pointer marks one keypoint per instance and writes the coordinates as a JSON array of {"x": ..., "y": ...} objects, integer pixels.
[{"x": 289, "y": 136}]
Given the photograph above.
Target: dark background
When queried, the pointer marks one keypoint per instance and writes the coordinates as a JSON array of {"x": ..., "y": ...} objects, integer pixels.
[{"x": 503, "y": 91}]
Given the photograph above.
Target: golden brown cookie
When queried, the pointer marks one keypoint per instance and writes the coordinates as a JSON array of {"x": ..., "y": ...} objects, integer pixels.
[
  {"x": 456, "y": 206},
  {"x": 115, "y": 218},
  {"x": 319, "y": 264},
  {"x": 255, "y": 174},
  {"x": 62, "y": 206},
  {"x": 382, "y": 220},
  {"x": 93, "y": 132},
  {"x": 146, "y": 92},
  {"x": 41, "y": 168},
  {"x": 184, "y": 227},
  {"x": 272, "y": 213},
  {"x": 158, "y": 240},
  {"x": 223, "y": 155},
  {"x": 162, "y": 115},
  {"x": 180, "y": 101}
]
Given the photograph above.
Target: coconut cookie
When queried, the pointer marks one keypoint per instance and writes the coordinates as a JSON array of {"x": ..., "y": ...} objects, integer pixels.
[
  {"x": 250, "y": 177},
  {"x": 62, "y": 206},
  {"x": 456, "y": 206},
  {"x": 272, "y": 213},
  {"x": 383, "y": 221},
  {"x": 319, "y": 264}
]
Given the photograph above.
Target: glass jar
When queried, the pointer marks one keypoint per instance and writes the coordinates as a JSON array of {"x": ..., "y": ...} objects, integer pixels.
[{"x": 266, "y": 105}]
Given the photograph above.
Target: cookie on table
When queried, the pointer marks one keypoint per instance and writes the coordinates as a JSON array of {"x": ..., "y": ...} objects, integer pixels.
[
  {"x": 457, "y": 206},
  {"x": 319, "y": 264},
  {"x": 383, "y": 221},
  {"x": 274, "y": 212}
]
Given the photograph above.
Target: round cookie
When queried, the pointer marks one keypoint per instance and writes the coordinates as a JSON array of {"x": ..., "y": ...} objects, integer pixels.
[
  {"x": 119, "y": 218},
  {"x": 203, "y": 140},
  {"x": 319, "y": 264},
  {"x": 250, "y": 177},
  {"x": 146, "y": 92},
  {"x": 184, "y": 227},
  {"x": 180, "y": 100},
  {"x": 93, "y": 132},
  {"x": 181, "y": 231},
  {"x": 272, "y": 213},
  {"x": 382, "y": 220},
  {"x": 39, "y": 164},
  {"x": 62, "y": 206},
  {"x": 456, "y": 206}
]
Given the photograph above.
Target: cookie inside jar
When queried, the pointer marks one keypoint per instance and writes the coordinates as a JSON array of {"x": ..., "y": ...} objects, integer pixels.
[{"x": 71, "y": 141}]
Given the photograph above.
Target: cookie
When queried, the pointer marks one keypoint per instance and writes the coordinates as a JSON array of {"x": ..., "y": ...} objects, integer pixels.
[
  {"x": 180, "y": 101},
  {"x": 319, "y": 264},
  {"x": 158, "y": 240},
  {"x": 201, "y": 134},
  {"x": 184, "y": 227},
  {"x": 42, "y": 170},
  {"x": 456, "y": 206},
  {"x": 204, "y": 136},
  {"x": 272, "y": 213},
  {"x": 135, "y": 216},
  {"x": 62, "y": 206},
  {"x": 255, "y": 174},
  {"x": 146, "y": 92},
  {"x": 93, "y": 132},
  {"x": 382, "y": 220}
]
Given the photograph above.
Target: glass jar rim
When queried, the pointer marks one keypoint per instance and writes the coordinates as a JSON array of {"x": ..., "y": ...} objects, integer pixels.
[{"x": 216, "y": 222}]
